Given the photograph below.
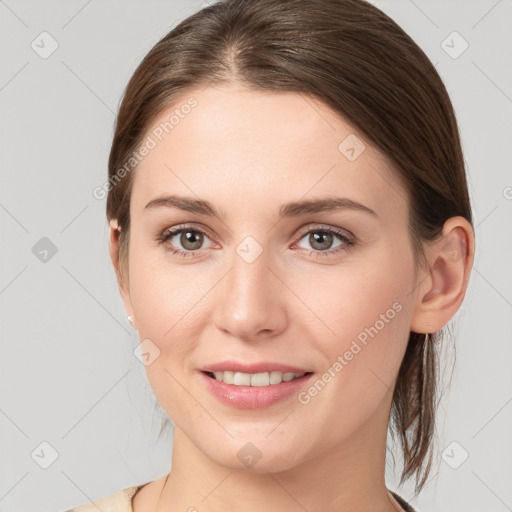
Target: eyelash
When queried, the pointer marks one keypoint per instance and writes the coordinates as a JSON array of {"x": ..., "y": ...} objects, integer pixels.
[{"x": 168, "y": 234}]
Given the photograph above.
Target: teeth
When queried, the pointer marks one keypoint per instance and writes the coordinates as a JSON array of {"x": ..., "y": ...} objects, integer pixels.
[{"x": 255, "y": 379}]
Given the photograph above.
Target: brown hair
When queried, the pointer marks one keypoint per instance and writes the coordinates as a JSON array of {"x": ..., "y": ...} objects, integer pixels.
[{"x": 360, "y": 63}]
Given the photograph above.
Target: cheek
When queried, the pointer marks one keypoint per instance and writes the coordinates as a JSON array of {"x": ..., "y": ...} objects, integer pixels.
[
  {"x": 163, "y": 295},
  {"x": 349, "y": 299},
  {"x": 167, "y": 302},
  {"x": 163, "y": 299},
  {"x": 362, "y": 358},
  {"x": 367, "y": 312}
]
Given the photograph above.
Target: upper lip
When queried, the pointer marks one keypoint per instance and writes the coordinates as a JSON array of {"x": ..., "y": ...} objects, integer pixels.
[{"x": 261, "y": 367}]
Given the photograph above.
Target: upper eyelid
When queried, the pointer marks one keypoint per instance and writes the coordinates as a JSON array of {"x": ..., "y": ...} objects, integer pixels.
[
  {"x": 183, "y": 227},
  {"x": 325, "y": 227}
]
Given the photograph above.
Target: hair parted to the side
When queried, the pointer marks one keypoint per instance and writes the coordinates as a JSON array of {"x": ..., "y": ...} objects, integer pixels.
[{"x": 361, "y": 64}]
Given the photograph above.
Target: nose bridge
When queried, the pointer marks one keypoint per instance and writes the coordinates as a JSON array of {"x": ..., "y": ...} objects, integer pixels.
[
  {"x": 251, "y": 299},
  {"x": 250, "y": 273}
]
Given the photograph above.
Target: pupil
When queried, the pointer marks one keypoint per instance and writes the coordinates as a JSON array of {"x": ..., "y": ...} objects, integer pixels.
[
  {"x": 315, "y": 238},
  {"x": 191, "y": 237}
]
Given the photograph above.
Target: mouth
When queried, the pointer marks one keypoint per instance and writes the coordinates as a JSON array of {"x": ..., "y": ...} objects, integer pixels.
[
  {"x": 261, "y": 379},
  {"x": 254, "y": 385}
]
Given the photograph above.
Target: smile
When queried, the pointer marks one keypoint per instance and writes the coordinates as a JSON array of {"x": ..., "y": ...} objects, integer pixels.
[
  {"x": 253, "y": 390},
  {"x": 254, "y": 379}
]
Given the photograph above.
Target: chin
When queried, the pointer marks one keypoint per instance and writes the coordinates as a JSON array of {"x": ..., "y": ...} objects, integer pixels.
[{"x": 257, "y": 457}]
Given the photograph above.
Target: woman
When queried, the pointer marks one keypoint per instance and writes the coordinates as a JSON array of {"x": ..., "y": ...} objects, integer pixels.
[{"x": 291, "y": 231}]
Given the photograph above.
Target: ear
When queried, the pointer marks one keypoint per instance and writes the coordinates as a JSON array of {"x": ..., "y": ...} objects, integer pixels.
[
  {"x": 114, "y": 232},
  {"x": 442, "y": 287}
]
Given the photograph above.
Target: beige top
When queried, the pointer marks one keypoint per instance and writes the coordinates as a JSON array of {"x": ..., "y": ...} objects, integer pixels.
[{"x": 120, "y": 501}]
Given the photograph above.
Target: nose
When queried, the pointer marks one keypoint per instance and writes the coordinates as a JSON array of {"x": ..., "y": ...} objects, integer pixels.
[{"x": 251, "y": 301}]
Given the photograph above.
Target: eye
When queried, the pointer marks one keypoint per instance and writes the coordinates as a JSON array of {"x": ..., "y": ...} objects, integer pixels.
[
  {"x": 189, "y": 238},
  {"x": 321, "y": 239}
]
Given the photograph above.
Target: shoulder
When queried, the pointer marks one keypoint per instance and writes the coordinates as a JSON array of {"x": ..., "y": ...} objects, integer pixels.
[
  {"x": 120, "y": 501},
  {"x": 406, "y": 506}
]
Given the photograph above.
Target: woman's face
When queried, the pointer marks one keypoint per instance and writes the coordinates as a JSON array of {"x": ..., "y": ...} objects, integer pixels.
[{"x": 276, "y": 279}]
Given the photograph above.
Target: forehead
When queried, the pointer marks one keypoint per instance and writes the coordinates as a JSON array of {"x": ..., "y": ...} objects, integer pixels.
[{"x": 233, "y": 144}]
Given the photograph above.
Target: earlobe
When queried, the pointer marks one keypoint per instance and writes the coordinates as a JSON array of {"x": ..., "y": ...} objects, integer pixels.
[{"x": 443, "y": 286}]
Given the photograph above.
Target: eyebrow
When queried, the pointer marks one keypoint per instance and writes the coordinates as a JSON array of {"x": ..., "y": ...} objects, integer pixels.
[{"x": 292, "y": 209}]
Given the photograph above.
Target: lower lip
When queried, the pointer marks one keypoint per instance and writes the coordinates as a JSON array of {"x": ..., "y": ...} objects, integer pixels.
[{"x": 253, "y": 397}]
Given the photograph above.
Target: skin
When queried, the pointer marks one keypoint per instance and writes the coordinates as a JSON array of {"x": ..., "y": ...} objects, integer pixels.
[{"x": 248, "y": 152}]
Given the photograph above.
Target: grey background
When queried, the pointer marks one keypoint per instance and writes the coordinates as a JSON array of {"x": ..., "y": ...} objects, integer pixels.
[{"x": 67, "y": 373}]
